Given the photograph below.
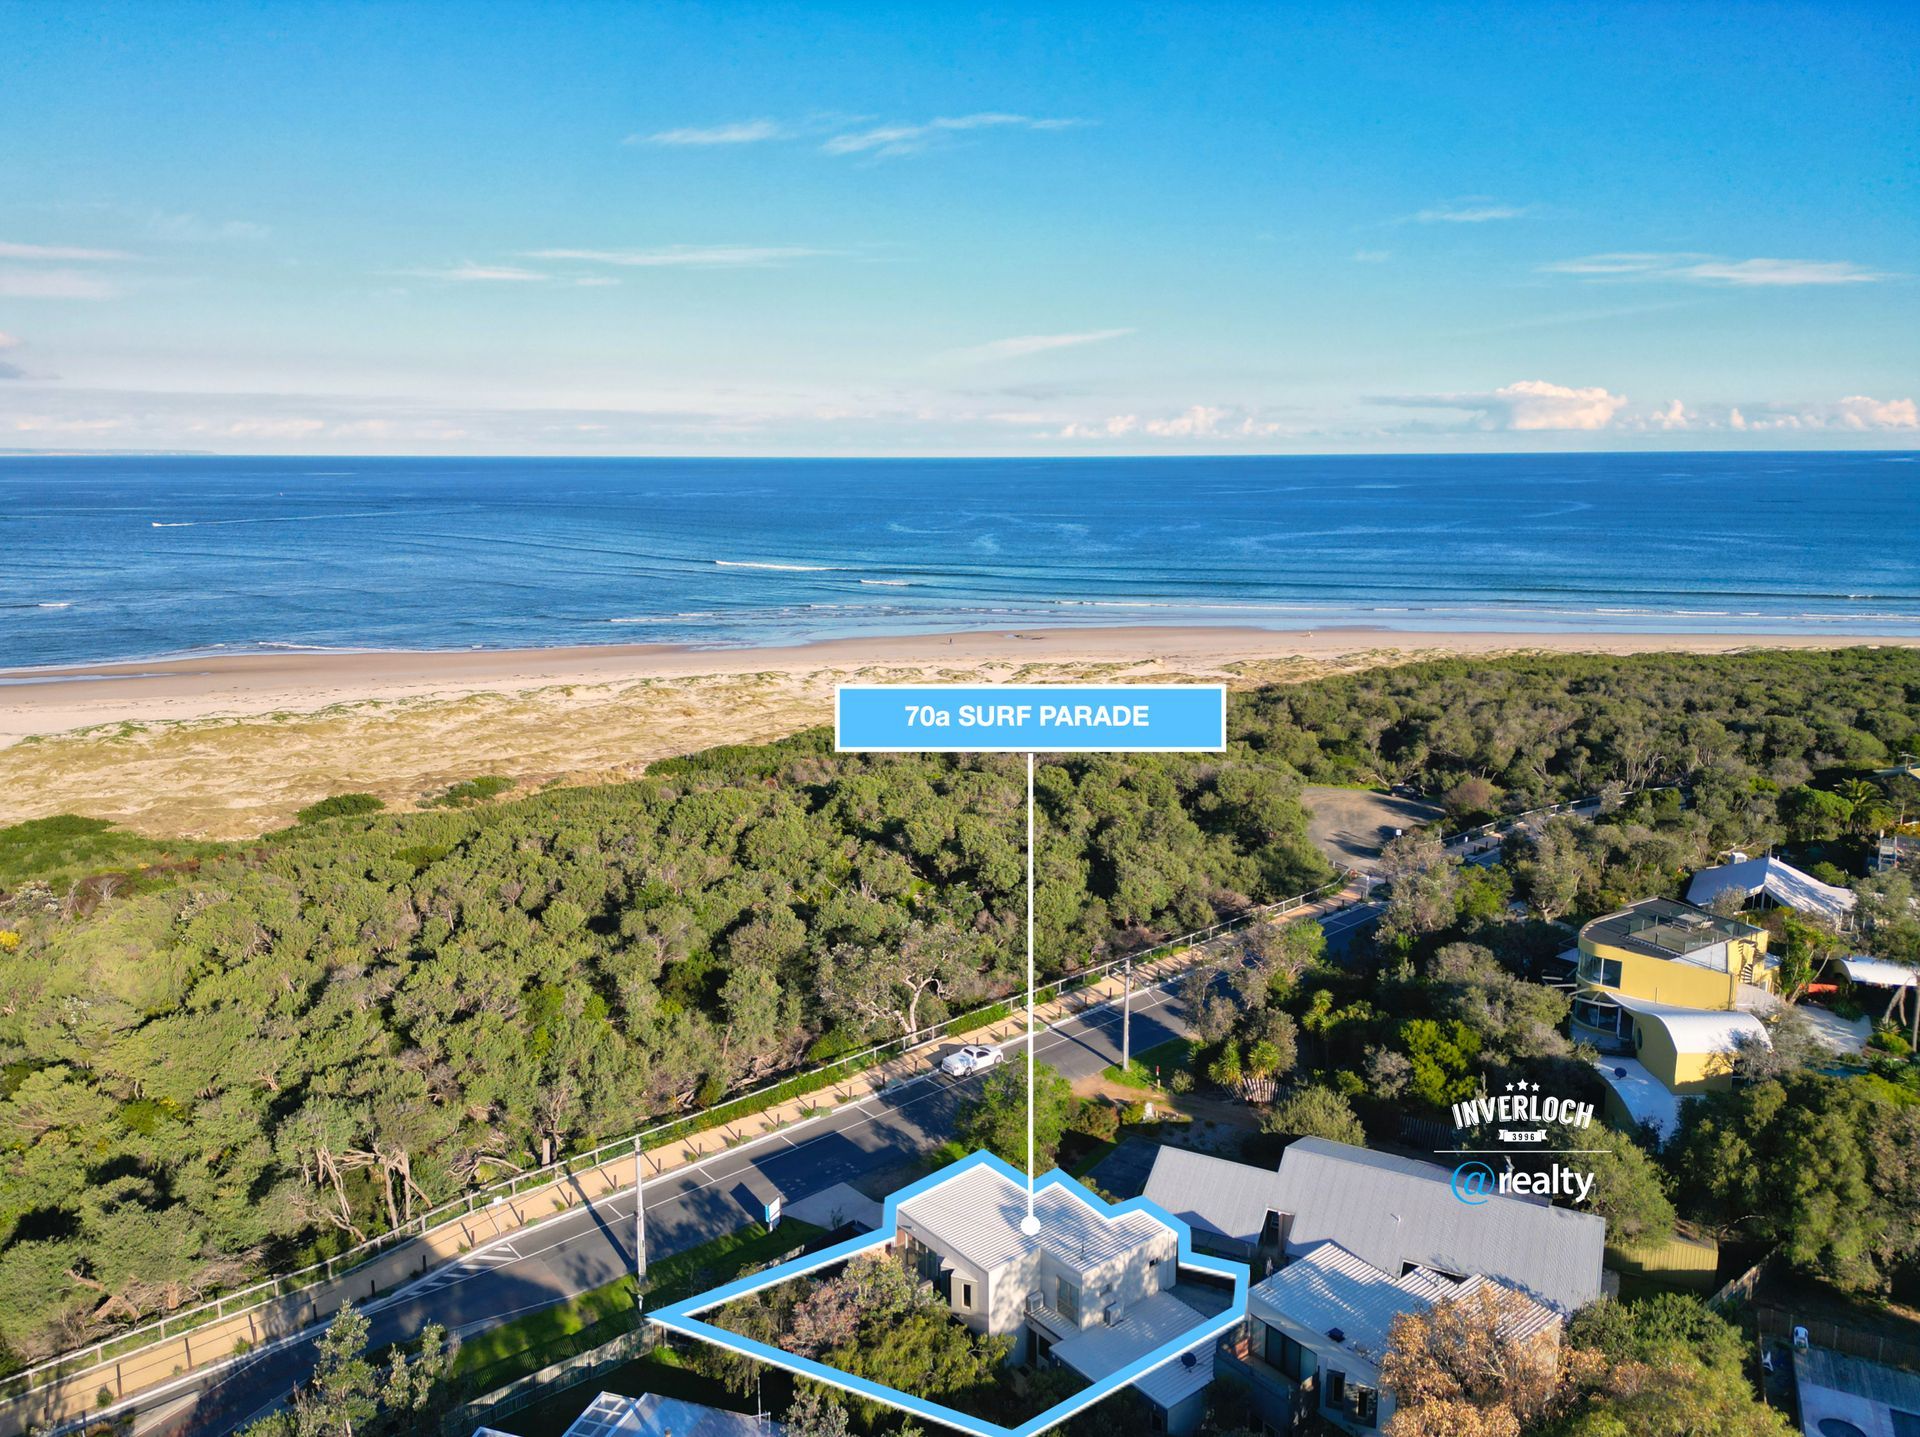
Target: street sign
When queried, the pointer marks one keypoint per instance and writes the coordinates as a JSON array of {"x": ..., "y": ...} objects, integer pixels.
[{"x": 773, "y": 1213}]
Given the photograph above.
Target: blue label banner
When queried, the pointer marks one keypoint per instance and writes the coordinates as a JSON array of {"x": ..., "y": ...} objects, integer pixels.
[{"x": 1030, "y": 718}]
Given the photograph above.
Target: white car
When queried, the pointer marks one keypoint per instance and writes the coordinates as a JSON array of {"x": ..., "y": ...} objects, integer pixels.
[{"x": 970, "y": 1060}]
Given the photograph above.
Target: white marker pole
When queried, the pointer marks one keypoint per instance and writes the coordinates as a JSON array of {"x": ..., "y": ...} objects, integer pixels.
[{"x": 1030, "y": 1225}]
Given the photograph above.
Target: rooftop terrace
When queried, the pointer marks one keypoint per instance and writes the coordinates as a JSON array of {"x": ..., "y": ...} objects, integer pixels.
[{"x": 1663, "y": 928}]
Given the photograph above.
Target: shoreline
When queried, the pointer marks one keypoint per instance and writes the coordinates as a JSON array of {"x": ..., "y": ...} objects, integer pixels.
[
  {"x": 234, "y": 745},
  {"x": 42, "y": 701}
]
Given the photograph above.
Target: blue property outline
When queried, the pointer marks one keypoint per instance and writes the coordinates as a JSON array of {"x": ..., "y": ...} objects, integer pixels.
[{"x": 680, "y": 1316}]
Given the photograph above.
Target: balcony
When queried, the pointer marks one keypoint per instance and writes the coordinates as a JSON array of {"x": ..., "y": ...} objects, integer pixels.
[
  {"x": 1282, "y": 1401},
  {"x": 1051, "y": 1321}
]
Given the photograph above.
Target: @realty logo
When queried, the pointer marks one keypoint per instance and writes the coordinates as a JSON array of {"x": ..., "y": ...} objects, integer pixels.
[
  {"x": 1524, "y": 1118},
  {"x": 1472, "y": 1182}
]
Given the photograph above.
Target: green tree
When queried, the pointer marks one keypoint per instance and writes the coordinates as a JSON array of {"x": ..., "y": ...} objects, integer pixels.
[
  {"x": 1443, "y": 1056},
  {"x": 349, "y": 1396},
  {"x": 1629, "y": 1190},
  {"x": 1314, "y": 1111},
  {"x": 997, "y": 1119},
  {"x": 815, "y": 1412}
]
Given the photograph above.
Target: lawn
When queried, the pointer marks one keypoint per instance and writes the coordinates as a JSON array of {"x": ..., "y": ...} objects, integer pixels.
[{"x": 1163, "y": 1058}]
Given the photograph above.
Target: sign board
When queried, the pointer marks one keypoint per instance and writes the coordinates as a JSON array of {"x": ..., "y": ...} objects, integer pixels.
[
  {"x": 1030, "y": 718},
  {"x": 773, "y": 1213}
]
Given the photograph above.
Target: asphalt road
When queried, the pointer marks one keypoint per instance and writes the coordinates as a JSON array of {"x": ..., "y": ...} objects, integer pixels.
[{"x": 593, "y": 1245}]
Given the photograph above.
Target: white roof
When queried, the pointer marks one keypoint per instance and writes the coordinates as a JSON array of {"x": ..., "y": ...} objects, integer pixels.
[
  {"x": 1101, "y": 1350},
  {"x": 1699, "y": 1030},
  {"x": 1877, "y": 971},
  {"x": 1646, "y": 1098},
  {"x": 1329, "y": 1289},
  {"x": 611, "y": 1415},
  {"x": 1782, "y": 882},
  {"x": 975, "y": 1218},
  {"x": 1176, "y": 1381}
]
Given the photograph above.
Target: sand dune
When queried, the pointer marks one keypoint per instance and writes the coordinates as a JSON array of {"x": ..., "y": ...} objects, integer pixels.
[{"x": 232, "y": 746}]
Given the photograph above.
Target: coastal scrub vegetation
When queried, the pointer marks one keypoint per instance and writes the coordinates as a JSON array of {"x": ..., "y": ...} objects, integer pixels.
[
  {"x": 1664, "y": 1366},
  {"x": 875, "y": 1319},
  {"x": 219, "y": 1061}
]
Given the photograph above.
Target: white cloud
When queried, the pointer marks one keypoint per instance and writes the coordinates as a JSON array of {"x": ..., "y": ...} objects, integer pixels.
[
  {"x": 194, "y": 229},
  {"x": 884, "y": 140},
  {"x": 685, "y": 256},
  {"x": 1469, "y": 214},
  {"x": 1199, "y": 421},
  {"x": 1857, "y": 411},
  {"x": 1693, "y": 268},
  {"x": 742, "y": 132},
  {"x": 1525, "y": 405},
  {"x": 1026, "y": 344},
  {"x": 53, "y": 284},
  {"x": 68, "y": 253},
  {"x": 483, "y": 274},
  {"x": 274, "y": 428}
]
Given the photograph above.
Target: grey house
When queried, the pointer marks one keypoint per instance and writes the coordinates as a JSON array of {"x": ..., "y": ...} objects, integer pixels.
[{"x": 1395, "y": 1214}]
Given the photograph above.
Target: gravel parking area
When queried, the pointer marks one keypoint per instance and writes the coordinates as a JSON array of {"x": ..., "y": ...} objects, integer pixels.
[{"x": 1351, "y": 825}]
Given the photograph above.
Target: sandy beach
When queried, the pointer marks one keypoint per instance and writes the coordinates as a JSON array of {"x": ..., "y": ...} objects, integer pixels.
[{"x": 231, "y": 746}]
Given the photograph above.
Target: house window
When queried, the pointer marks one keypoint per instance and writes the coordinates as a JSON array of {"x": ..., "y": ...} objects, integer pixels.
[
  {"x": 1363, "y": 1405},
  {"x": 1333, "y": 1391},
  {"x": 1272, "y": 1229},
  {"x": 1066, "y": 1301},
  {"x": 966, "y": 1295},
  {"x": 1604, "y": 1016},
  {"x": 1288, "y": 1356},
  {"x": 1159, "y": 1419}
]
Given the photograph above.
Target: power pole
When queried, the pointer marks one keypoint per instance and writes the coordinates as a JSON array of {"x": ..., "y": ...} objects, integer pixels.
[
  {"x": 1126, "y": 1018},
  {"x": 639, "y": 1227}
]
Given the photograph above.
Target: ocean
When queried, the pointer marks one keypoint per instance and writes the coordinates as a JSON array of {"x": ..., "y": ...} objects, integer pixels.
[{"x": 105, "y": 558}]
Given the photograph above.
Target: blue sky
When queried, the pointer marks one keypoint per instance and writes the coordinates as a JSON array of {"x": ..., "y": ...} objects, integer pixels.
[{"x": 933, "y": 229}]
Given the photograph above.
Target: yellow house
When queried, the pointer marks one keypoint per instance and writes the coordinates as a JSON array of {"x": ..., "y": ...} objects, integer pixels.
[
  {"x": 1674, "y": 953},
  {"x": 1690, "y": 1050},
  {"x": 1666, "y": 992},
  {"x": 1676, "y": 1053}
]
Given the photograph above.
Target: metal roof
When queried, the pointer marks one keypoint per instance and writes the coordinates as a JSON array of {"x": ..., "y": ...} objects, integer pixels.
[
  {"x": 1873, "y": 1382},
  {"x": 1097, "y": 1351},
  {"x": 1880, "y": 972},
  {"x": 1227, "y": 1198},
  {"x": 1699, "y": 1030},
  {"x": 1331, "y": 1290},
  {"x": 611, "y": 1415},
  {"x": 975, "y": 1217},
  {"x": 1393, "y": 1211},
  {"x": 1782, "y": 882},
  {"x": 1176, "y": 1381}
]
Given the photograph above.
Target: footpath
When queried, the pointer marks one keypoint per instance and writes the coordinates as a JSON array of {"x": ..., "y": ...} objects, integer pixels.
[{"x": 64, "y": 1394}]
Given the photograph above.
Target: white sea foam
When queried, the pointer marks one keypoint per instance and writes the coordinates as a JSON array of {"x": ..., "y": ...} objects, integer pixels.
[
  {"x": 789, "y": 568},
  {"x": 267, "y": 519},
  {"x": 59, "y": 604}
]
